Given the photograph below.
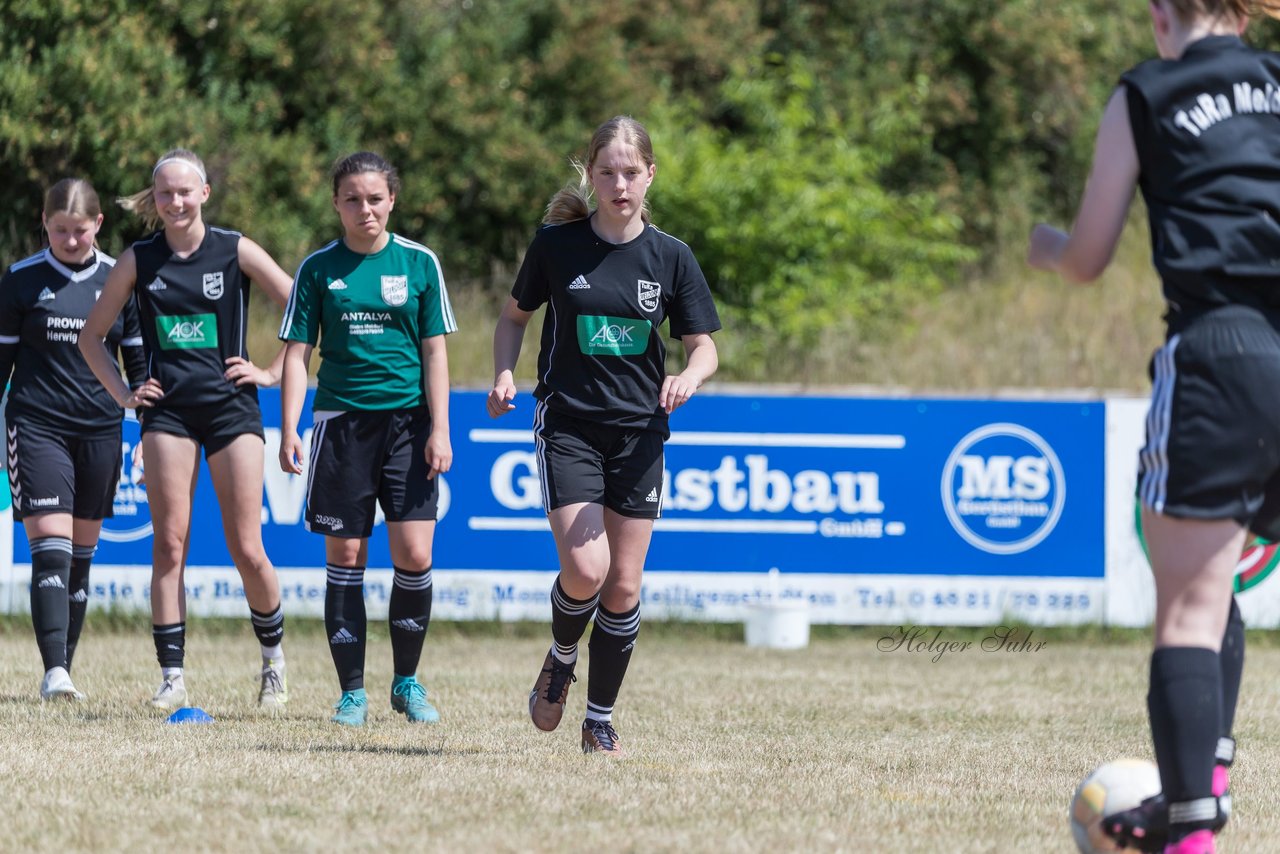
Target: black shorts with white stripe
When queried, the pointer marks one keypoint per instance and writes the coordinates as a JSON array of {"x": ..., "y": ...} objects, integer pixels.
[
  {"x": 50, "y": 472},
  {"x": 358, "y": 458},
  {"x": 584, "y": 462},
  {"x": 1213, "y": 430}
]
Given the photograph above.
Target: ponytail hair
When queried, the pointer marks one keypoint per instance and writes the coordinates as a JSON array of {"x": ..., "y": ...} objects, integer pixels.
[
  {"x": 573, "y": 201},
  {"x": 142, "y": 204}
]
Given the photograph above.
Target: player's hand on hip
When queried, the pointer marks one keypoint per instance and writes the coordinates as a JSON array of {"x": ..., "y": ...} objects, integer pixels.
[
  {"x": 243, "y": 372},
  {"x": 291, "y": 457},
  {"x": 499, "y": 400},
  {"x": 676, "y": 391},
  {"x": 144, "y": 395}
]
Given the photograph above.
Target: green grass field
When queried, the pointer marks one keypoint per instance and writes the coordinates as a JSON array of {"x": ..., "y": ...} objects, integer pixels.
[{"x": 838, "y": 747}]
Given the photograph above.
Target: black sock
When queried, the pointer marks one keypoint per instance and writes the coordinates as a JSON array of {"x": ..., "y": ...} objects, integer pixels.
[
  {"x": 1185, "y": 703},
  {"x": 50, "y": 612},
  {"x": 81, "y": 560},
  {"x": 268, "y": 627},
  {"x": 171, "y": 642},
  {"x": 612, "y": 640},
  {"x": 408, "y": 615},
  {"x": 569, "y": 619},
  {"x": 345, "y": 623},
  {"x": 1231, "y": 659}
]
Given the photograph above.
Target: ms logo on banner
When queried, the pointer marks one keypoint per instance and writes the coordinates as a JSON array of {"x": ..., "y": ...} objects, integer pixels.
[{"x": 1003, "y": 489}]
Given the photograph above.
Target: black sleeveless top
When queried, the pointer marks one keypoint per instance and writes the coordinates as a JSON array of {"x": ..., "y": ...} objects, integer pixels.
[{"x": 1207, "y": 132}]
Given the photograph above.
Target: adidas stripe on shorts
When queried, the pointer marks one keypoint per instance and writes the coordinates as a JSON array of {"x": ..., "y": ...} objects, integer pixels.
[
  {"x": 358, "y": 458},
  {"x": 1213, "y": 430},
  {"x": 584, "y": 462}
]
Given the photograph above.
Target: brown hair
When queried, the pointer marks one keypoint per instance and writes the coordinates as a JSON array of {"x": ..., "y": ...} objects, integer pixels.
[
  {"x": 73, "y": 196},
  {"x": 143, "y": 203},
  {"x": 362, "y": 162},
  {"x": 1234, "y": 10},
  {"x": 573, "y": 202}
]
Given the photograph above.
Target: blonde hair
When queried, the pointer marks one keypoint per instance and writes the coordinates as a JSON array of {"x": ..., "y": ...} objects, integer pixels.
[
  {"x": 1234, "y": 10},
  {"x": 142, "y": 204},
  {"x": 573, "y": 202}
]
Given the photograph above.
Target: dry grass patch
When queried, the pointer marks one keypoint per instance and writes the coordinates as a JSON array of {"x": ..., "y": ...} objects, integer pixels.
[{"x": 839, "y": 747}]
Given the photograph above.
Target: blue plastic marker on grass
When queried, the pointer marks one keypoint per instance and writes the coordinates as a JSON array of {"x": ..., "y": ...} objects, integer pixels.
[{"x": 190, "y": 715}]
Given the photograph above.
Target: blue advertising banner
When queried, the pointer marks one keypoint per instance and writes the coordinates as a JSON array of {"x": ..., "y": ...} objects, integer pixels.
[{"x": 842, "y": 488}]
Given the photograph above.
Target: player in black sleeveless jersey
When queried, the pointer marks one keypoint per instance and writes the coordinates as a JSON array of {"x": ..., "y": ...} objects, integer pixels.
[
  {"x": 63, "y": 427},
  {"x": 1199, "y": 132},
  {"x": 191, "y": 284},
  {"x": 609, "y": 279}
]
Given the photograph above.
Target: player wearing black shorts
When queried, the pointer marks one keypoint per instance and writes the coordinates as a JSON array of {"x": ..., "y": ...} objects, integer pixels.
[
  {"x": 609, "y": 279},
  {"x": 63, "y": 427},
  {"x": 191, "y": 284},
  {"x": 1199, "y": 132},
  {"x": 376, "y": 303}
]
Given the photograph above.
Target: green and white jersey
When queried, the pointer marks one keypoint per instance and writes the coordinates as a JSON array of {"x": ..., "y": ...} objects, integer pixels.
[{"x": 370, "y": 314}]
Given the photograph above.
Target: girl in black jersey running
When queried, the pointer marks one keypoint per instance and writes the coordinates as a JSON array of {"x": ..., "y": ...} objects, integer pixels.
[
  {"x": 190, "y": 282},
  {"x": 610, "y": 279},
  {"x": 1199, "y": 132},
  {"x": 63, "y": 428}
]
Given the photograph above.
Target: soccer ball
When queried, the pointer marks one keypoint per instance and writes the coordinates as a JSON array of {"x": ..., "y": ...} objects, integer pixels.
[{"x": 1110, "y": 788}]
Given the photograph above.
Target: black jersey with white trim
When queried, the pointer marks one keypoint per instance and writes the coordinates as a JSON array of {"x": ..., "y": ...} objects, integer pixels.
[
  {"x": 194, "y": 312},
  {"x": 603, "y": 358},
  {"x": 43, "y": 307},
  {"x": 1207, "y": 132}
]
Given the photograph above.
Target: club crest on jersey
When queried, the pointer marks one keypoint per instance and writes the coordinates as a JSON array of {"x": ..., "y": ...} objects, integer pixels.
[
  {"x": 213, "y": 285},
  {"x": 649, "y": 294},
  {"x": 395, "y": 290}
]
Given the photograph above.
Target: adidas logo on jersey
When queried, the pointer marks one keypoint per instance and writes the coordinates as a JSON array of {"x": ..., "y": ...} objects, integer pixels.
[
  {"x": 652, "y": 497},
  {"x": 157, "y": 285},
  {"x": 52, "y": 581},
  {"x": 343, "y": 636},
  {"x": 337, "y": 285},
  {"x": 580, "y": 284},
  {"x": 408, "y": 625},
  {"x": 45, "y": 294}
]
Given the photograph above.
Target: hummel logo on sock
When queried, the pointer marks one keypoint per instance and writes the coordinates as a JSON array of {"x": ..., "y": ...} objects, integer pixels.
[{"x": 343, "y": 636}]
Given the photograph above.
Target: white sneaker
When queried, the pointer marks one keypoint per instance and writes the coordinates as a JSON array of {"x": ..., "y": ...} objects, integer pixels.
[
  {"x": 274, "y": 692},
  {"x": 171, "y": 695},
  {"x": 57, "y": 685}
]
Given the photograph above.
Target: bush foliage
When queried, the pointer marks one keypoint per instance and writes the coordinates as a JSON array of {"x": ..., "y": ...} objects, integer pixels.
[{"x": 831, "y": 163}]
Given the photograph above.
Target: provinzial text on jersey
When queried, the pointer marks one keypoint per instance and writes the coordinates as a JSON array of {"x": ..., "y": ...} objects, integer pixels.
[
  {"x": 64, "y": 330},
  {"x": 1209, "y": 109}
]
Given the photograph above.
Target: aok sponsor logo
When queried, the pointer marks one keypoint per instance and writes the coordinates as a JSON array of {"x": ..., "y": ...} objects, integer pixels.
[
  {"x": 602, "y": 335},
  {"x": 737, "y": 485},
  {"x": 1003, "y": 489},
  {"x": 187, "y": 331}
]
